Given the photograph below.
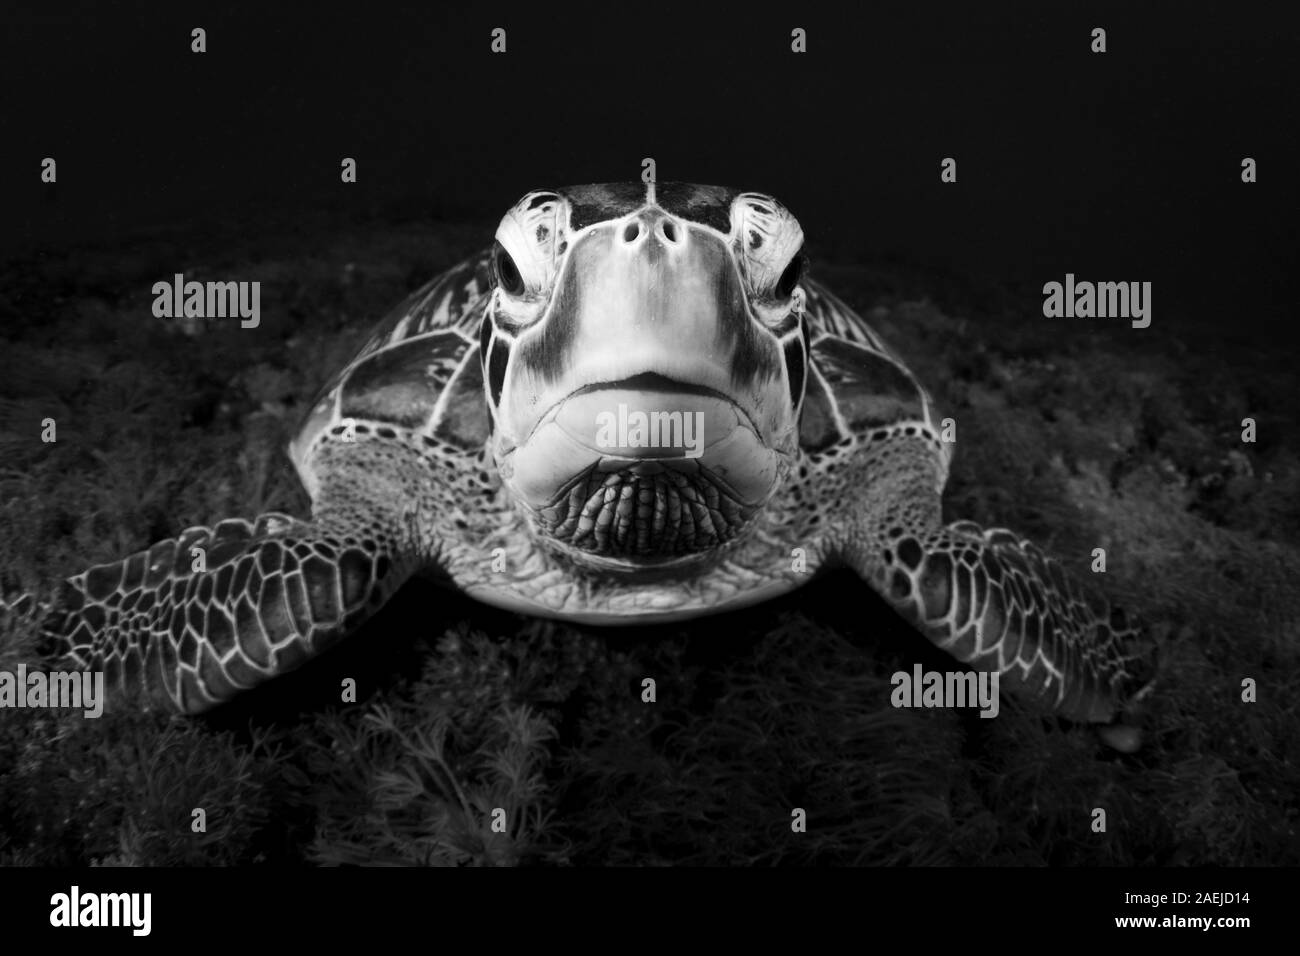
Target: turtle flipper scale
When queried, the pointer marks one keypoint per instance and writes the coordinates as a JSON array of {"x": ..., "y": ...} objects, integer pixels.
[
  {"x": 195, "y": 620},
  {"x": 995, "y": 601},
  {"x": 987, "y": 597}
]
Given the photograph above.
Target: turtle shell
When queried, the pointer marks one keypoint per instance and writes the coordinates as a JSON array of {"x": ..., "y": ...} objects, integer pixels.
[
  {"x": 419, "y": 371},
  {"x": 855, "y": 383}
]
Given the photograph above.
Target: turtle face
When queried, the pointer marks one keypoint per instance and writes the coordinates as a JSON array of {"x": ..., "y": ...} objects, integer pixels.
[{"x": 643, "y": 359}]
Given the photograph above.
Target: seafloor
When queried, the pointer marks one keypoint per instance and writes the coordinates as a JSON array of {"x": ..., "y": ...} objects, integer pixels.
[{"x": 1080, "y": 436}]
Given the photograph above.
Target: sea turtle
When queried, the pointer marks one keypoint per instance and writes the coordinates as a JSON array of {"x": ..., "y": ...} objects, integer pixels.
[{"x": 633, "y": 407}]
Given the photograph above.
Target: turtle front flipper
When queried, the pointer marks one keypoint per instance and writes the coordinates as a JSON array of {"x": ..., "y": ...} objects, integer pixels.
[
  {"x": 197, "y": 619},
  {"x": 988, "y": 598}
]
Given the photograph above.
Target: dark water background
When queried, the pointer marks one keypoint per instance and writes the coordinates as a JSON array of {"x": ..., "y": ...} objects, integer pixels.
[{"x": 1122, "y": 166}]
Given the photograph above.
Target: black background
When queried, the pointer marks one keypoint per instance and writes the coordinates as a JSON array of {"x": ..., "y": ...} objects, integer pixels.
[
  {"x": 1122, "y": 166},
  {"x": 717, "y": 908}
]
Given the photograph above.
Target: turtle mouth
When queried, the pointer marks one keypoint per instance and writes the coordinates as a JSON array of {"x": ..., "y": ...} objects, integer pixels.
[
  {"x": 648, "y": 511},
  {"x": 651, "y": 382},
  {"x": 642, "y": 471}
]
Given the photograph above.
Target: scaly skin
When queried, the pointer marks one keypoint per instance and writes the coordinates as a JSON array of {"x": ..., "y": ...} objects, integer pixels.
[
  {"x": 281, "y": 590},
  {"x": 987, "y": 597},
  {"x": 275, "y": 593},
  {"x": 401, "y": 452}
]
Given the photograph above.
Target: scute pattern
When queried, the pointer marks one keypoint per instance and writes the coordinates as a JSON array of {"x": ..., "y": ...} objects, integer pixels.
[
  {"x": 987, "y": 597},
  {"x": 445, "y": 302},
  {"x": 708, "y": 205},
  {"x": 273, "y": 593},
  {"x": 855, "y": 382},
  {"x": 407, "y": 374},
  {"x": 869, "y": 388},
  {"x": 828, "y": 315},
  {"x": 393, "y": 454},
  {"x": 997, "y": 602},
  {"x": 403, "y": 382}
]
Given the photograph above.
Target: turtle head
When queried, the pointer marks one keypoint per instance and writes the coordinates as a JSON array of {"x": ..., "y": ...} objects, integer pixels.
[{"x": 644, "y": 358}]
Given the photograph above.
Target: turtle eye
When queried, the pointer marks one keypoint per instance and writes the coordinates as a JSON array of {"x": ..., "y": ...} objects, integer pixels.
[
  {"x": 791, "y": 276},
  {"x": 507, "y": 272}
]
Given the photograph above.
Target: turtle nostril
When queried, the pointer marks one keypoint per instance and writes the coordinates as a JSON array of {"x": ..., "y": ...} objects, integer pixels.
[
  {"x": 669, "y": 231},
  {"x": 631, "y": 232}
]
